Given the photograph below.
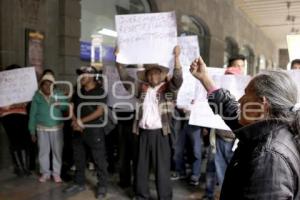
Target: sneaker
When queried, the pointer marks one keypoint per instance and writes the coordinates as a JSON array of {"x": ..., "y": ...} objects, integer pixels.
[
  {"x": 194, "y": 182},
  {"x": 57, "y": 179},
  {"x": 101, "y": 192},
  {"x": 207, "y": 198},
  {"x": 91, "y": 166},
  {"x": 73, "y": 168},
  {"x": 44, "y": 178},
  {"x": 75, "y": 188},
  {"x": 176, "y": 176}
]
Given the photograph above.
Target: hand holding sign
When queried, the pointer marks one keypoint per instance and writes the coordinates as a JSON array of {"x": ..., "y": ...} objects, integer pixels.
[
  {"x": 17, "y": 86},
  {"x": 177, "y": 51},
  {"x": 199, "y": 71},
  {"x": 146, "y": 38}
]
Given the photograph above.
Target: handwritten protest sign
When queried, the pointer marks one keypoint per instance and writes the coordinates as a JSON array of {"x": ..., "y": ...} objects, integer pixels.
[
  {"x": 118, "y": 96},
  {"x": 17, "y": 86},
  {"x": 295, "y": 75},
  {"x": 146, "y": 38},
  {"x": 201, "y": 113},
  {"x": 189, "y": 48}
]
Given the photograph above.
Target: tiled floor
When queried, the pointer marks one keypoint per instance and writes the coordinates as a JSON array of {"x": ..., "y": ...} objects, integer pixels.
[{"x": 28, "y": 188}]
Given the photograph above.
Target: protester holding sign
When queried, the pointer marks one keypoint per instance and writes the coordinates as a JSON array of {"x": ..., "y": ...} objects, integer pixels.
[
  {"x": 266, "y": 163},
  {"x": 222, "y": 142},
  {"x": 144, "y": 38},
  {"x": 14, "y": 119},
  {"x": 153, "y": 124}
]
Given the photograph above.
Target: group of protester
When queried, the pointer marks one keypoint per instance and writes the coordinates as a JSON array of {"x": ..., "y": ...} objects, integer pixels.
[{"x": 260, "y": 155}]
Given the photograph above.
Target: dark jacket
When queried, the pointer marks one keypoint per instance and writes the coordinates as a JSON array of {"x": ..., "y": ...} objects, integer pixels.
[{"x": 266, "y": 164}]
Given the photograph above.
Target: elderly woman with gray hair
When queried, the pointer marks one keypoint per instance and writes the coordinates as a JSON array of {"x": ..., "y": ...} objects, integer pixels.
[{"x": 266, "y": 164}]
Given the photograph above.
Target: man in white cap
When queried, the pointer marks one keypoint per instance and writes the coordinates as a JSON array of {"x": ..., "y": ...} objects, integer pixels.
[{"x": 156, "y": 94}]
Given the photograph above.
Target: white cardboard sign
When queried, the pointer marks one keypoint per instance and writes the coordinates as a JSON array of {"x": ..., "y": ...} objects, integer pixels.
[
  {"x": 146, "y": 38},
  {"x": 17, "y": 86}
]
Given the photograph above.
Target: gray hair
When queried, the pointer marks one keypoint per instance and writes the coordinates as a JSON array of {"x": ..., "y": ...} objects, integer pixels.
[{"x": 282, "y": 93}]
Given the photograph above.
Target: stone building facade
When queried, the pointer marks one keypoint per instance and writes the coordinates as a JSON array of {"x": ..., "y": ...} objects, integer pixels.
[{"x": 224, "y": 30}]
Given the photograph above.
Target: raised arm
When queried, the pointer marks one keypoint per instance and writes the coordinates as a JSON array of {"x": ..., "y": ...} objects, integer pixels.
[
  {"x": 199, "y": 71},
  {"x": 220, "y": 100},
  {"x": 176, "y": 81}
]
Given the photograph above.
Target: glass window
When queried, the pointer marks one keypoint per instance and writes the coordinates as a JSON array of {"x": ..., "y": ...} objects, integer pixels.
[{"x": 98, "y": 16}]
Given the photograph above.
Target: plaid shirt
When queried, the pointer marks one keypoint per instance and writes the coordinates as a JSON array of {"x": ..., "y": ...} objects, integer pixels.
[{"x": 165, "y": 95}]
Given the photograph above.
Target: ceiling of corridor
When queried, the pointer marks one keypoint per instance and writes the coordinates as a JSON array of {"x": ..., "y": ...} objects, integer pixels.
[{"x": 274, "y": 17}]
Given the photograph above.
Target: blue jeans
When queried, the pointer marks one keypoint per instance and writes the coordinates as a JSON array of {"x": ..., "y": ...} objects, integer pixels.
[
  {"x": 191, "y": 134},
  {"x": 176, "y": 128},
  {"x": 211, "y": 177},
  {"x": 223, "y": 156}
]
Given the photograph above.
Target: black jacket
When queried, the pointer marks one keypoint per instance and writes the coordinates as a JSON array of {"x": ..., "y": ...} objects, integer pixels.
[{"x": 266, "y": 164}]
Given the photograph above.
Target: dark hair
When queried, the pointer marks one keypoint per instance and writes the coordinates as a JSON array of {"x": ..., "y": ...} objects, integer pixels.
[
  {"x": 234, "y": 58},
  {"x": 13, "y": 66},
  {"x": 48, "y": 71},
  {"x": 296, "y": 61},
  {"x": 131, "y": 66},
  {"x": 281, "y": 92}
]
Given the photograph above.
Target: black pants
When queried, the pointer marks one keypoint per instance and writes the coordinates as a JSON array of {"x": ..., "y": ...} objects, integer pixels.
[
  {"x": 154, "y": 150},
  {"x": 127, "y": 149},
  {"x": 94, "y": 139},
  {"x": 16, "y": 127}
]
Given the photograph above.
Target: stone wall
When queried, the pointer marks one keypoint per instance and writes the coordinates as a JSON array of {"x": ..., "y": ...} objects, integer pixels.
[
  {"x": 59, "y": 20},
  {"x": 224, "y": 19}
]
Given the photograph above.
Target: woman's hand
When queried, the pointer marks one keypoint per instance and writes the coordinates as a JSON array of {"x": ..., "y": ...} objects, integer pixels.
[{"x": 199, "y": 70}]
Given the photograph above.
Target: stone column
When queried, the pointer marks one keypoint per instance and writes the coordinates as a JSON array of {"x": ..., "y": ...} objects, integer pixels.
[{"x": 69, "y": 38}]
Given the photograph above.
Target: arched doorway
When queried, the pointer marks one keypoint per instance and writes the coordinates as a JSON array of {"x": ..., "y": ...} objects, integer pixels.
[
  {"x": 231, "y": 49},
  {"x": 250, "y": 59},
  {"x": 262, "y": 64}
]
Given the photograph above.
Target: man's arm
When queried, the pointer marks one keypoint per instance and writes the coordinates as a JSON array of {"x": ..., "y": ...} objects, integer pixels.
[{"x": 176, "y": 80}]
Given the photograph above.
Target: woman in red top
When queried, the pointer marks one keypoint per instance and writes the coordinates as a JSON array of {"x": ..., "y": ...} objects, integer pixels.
[{"x": 14, "y": 119}]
